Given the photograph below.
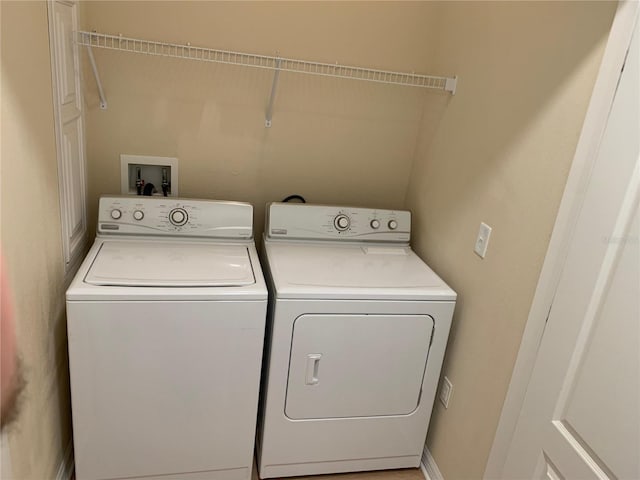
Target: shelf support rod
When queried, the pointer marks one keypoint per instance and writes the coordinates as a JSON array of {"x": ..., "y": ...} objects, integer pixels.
[
  {"x": 96, "y": 75},
  {"x": 274, "y": 86}
]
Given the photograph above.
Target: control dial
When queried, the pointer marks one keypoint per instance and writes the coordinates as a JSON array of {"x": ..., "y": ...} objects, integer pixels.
[
  {"x": 393, "y": 224},
  {"x": 341, "y": 222},
  {"x": 178, "y": 216},
  {"x": 375, "y": 224},
  {"x": 116, "y": 213},
  {"x": 138, "y": 215}
]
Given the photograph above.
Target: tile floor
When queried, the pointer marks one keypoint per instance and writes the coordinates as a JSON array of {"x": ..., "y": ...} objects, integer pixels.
[{"x": 406, "y": 474}]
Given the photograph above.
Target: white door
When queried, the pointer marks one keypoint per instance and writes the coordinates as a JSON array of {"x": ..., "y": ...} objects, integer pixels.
[
  {"x": 69, "y": 126},
  {"x": 581, "y": 414}
]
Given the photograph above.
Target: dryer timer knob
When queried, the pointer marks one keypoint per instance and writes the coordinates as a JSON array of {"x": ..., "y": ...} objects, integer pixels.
[
  {"x": 116, "y": 214},
  {"x": 341, "y": 222},
  {"x": 393, "y": 224}
]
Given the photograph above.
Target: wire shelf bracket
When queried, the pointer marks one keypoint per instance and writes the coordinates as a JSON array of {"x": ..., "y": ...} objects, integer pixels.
[
  {"x": 276, "y": 63},
  {"x": 96, "y": 75},
  {"x": 274, "y": 86}
]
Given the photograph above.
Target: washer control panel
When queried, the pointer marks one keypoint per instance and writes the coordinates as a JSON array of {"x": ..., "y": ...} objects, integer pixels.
[
  {"x": 162, "y": 216},
  {"x": 320, "y": 222}
]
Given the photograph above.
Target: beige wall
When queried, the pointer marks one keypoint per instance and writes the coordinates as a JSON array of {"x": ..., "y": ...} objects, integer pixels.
[
  {"x": 333, "y": 141},
  {"x": 498, "y": 152},
  {"x": 31, "y": 240}
]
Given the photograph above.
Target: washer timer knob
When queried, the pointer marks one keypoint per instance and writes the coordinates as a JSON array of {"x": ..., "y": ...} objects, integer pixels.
[
  {"x": 178, "y": 216},
  {"x": 393, "y": 224},
  {"x": 375, "y": 224},
  {"x": 138, "y": 215},
  {"x": 341, "y": 222},
  {"x": 116, "y": 214}
]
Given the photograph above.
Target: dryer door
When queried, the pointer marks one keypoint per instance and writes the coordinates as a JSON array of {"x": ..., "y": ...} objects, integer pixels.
[{"x": 357, "y": 365}]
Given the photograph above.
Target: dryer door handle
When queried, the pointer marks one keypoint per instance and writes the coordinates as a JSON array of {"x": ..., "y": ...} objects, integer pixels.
[{"x": 313, "y": 364}]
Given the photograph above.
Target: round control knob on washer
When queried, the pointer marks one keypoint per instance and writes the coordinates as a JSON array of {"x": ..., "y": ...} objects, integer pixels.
[
  {"x": 393, "y": 224},
  {"x": 375, "y": 224},
  {"x": 138, "y": 214},
  {"x": 116, "y": 214},
  {"x": 178, "y": 217},
  {"x": 341, "y": 222}
]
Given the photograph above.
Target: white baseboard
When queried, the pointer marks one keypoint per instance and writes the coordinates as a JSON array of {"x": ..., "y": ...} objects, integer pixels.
[
  {"x": 428, "y": 466},
  {"x": 67, "y": 466}
]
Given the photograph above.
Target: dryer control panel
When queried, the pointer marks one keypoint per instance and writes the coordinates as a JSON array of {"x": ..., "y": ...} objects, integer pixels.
[
  {"x": 320, "y": 222},
  {"x": 167, "y": 216}
]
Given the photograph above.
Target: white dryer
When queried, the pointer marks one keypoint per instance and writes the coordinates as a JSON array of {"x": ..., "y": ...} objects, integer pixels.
[
  {"x": 166, "y": 325},
  {"x": 357, "y": 330}
]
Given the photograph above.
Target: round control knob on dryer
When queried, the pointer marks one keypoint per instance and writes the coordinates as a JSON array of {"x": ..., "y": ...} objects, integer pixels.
[
  {"x": 138, "y": 214},
  {"x": 375, "y": 224},
  {"x": 178, "y": 216},
  {"x": 116, "y": 214},
  {"x": 393, "y": 224},
  {"x": 341, "y": 222}
]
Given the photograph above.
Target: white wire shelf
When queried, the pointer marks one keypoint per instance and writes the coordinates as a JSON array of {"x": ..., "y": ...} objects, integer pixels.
[{"x": 278, "y": 64}]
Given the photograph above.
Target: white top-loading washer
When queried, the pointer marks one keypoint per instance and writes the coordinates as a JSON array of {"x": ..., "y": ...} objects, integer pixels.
[
  {"x": 357, "y": 331},
  {"x": 166, "y": 326}
]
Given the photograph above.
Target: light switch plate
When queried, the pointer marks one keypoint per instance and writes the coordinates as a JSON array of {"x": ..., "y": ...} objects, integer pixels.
[{"x": 482, "y": 242}]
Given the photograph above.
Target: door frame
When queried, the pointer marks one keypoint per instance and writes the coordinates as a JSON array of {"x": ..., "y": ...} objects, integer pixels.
[{"x": 586, "y": 153}]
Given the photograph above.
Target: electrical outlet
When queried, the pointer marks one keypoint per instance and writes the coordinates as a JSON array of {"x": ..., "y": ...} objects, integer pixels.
[
  {"x": 482, "y": 242},
  {"x": 446, "y": 389}
]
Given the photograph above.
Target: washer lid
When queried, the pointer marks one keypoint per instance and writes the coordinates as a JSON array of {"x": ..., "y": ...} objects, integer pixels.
[{"x": 160, "y": 264}]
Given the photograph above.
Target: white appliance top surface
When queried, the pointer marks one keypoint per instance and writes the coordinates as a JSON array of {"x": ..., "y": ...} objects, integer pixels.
[
  {"x": 168, "y": 269},
  {"x": 338, "y": 270},
  {"x": 167, "y": 264}
]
